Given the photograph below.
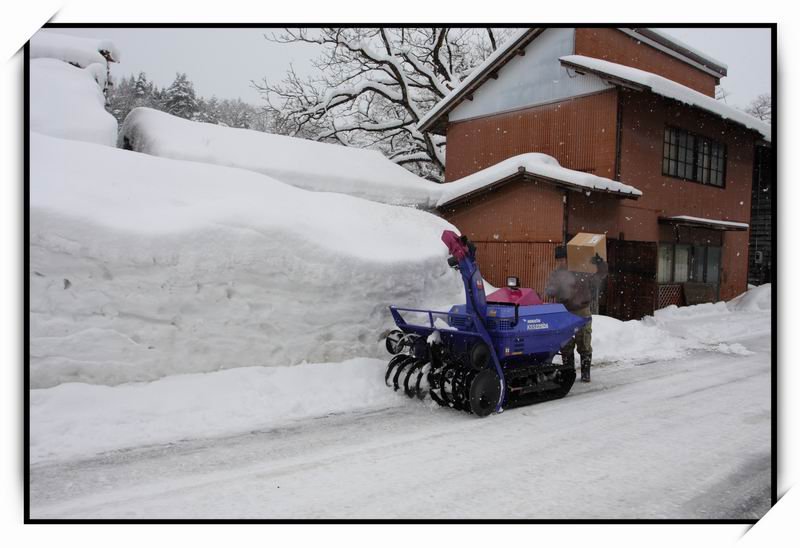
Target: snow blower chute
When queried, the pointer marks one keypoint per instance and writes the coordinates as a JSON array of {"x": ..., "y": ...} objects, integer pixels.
[{"x": 485, "y": 355}]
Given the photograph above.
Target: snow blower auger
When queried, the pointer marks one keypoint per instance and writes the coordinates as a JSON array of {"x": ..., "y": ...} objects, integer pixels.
[{"x": 485, "y": 355}]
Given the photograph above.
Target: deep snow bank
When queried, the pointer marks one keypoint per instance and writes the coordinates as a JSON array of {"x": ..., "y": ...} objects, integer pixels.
[
  {"x": 68, "y": 102},
  {"x": 758, "y": 298},
  {"x": 674, "y": 331},
  {"x": 76, "y": 419},
  {"x": 143, "y": 267},
  {"x": 299, "y": 162}
]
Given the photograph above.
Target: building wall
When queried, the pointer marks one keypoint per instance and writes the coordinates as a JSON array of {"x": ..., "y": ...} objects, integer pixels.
[
  {"x": 644, "y": 117},
  {"x": 615, "y": 46},
  {"x": 580, "y": 133},
  {"x": 531, "y": 79},
  {"x": 531, "y": 262},
  {"x": 515, "y": 228},
  {"x": 515, "y": 212}
]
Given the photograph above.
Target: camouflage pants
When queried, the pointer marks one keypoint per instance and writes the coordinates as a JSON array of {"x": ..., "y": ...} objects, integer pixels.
[{"x": 582, "y": 339}]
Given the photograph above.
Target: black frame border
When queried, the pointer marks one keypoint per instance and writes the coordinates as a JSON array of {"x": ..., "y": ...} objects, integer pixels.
[{"x": 26, "y": 284}]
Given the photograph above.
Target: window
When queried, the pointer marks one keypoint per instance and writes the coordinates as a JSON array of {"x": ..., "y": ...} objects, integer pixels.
[
  {"x": 712, "y": 264},
  {"x": 664, "y": 263},
  {"x": 692, "y": 157},
  {"x": 683, "y": 257},
  {"x": 699, "y": 264},
  {"x": 679, "y": 263}
]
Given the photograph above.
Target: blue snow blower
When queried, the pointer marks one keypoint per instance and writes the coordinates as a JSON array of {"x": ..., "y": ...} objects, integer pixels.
[{"x": 487, "y": 354}]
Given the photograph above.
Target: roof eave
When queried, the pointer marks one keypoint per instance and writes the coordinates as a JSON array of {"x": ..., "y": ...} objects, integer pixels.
[
  {"x": 719, "y": 69},
  {"x": 702, "y": 224},
  {"x": 524, "y": 175},
  {"x": 627, "y": 84},
  {"x": 437, "y": 124}
]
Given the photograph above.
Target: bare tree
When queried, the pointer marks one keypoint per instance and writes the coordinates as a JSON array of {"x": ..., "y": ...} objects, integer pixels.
[
  {"x": 761, "y": 107},
  {"x": 373, "y": 86}
]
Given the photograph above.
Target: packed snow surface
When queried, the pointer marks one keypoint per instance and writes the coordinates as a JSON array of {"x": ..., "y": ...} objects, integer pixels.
[
  {"x": 670, "y": 89},
  {"x": 681, "y": 437},
  {"x": 68, "y": 102},
  {"x": 79, "y": 419},
  {"x": 198, "y": 405},
  {"x": 534, "y": 163},
  {"x": 143, "y": 267},
  {"x": 72, "y": 49},
  {"x": 302, "y": 163}
]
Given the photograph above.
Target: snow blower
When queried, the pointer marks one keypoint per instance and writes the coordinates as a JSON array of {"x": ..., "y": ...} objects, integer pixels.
[{"x": 485, "y": 355}]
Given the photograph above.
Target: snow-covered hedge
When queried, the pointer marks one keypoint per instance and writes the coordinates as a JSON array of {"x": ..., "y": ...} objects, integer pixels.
[
  {"x": 71, "y": 49},
  {"x": 68, "y": 102},
  {"x": 142, "y": 267},
  {"x": 299, "y": 162}
]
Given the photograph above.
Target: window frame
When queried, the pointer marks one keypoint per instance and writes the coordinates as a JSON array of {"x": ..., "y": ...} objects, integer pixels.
[
  {"x": 693, "y": 255},
  {"x": 697, "y": 154}
]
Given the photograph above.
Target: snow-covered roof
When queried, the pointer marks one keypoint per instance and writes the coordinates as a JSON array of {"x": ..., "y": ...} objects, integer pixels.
[
  {"x": 72, "y": 49},
  {"x": 67, "y": 102},
  {"x": 311, "y": 165},
  {"x": 711, "y": 223},
  {"x": 536, "y": 165},
  {"x": 640, "y": 79},
  {"x": 521, "y": 39}
]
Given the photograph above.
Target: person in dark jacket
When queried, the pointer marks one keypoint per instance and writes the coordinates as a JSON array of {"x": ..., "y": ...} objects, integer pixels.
[{"x": 575, "y": 290}]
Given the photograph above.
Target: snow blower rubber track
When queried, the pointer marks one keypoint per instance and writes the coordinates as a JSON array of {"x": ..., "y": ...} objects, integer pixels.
[{"x": 482, "y": 356}]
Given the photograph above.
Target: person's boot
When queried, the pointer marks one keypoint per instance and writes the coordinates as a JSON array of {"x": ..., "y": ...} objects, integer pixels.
[
  {"x": 568, "y": 359},
  {"x": 586, "y": 365}
]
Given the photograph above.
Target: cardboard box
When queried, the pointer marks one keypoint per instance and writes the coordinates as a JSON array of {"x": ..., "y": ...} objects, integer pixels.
[{"x": 582, "y": 248}]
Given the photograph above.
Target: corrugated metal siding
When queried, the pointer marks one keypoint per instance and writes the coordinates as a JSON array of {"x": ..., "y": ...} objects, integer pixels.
[
  {"x": 531, "y": 262},
  {"x": 528, "y": 211},
  {"x": 579, "y": 132},
  {"x": 617, "y": 47}
]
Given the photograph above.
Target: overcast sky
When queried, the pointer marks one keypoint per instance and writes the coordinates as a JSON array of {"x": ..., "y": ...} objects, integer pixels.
[{"x": 222, "y": 62}]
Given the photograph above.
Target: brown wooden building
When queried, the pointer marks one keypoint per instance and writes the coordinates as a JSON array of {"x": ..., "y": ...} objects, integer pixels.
[{"x": 627, "y": 105}]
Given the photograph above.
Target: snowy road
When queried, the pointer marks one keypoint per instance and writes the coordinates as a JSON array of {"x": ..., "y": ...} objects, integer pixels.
[{"x": 686, "y": 438}]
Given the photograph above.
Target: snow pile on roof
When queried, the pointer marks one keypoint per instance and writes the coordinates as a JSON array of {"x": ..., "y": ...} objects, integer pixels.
[
  {"x": 535, "y": 164},
  {"x": 143, "y": 267},
  {"x": 704, "y": 221},
  {"x": 71, "y": 49},
  {"x": 68, "y": 102},
  {"x": 670, "y": 89},
  {"x": 302, "y": 163}
]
